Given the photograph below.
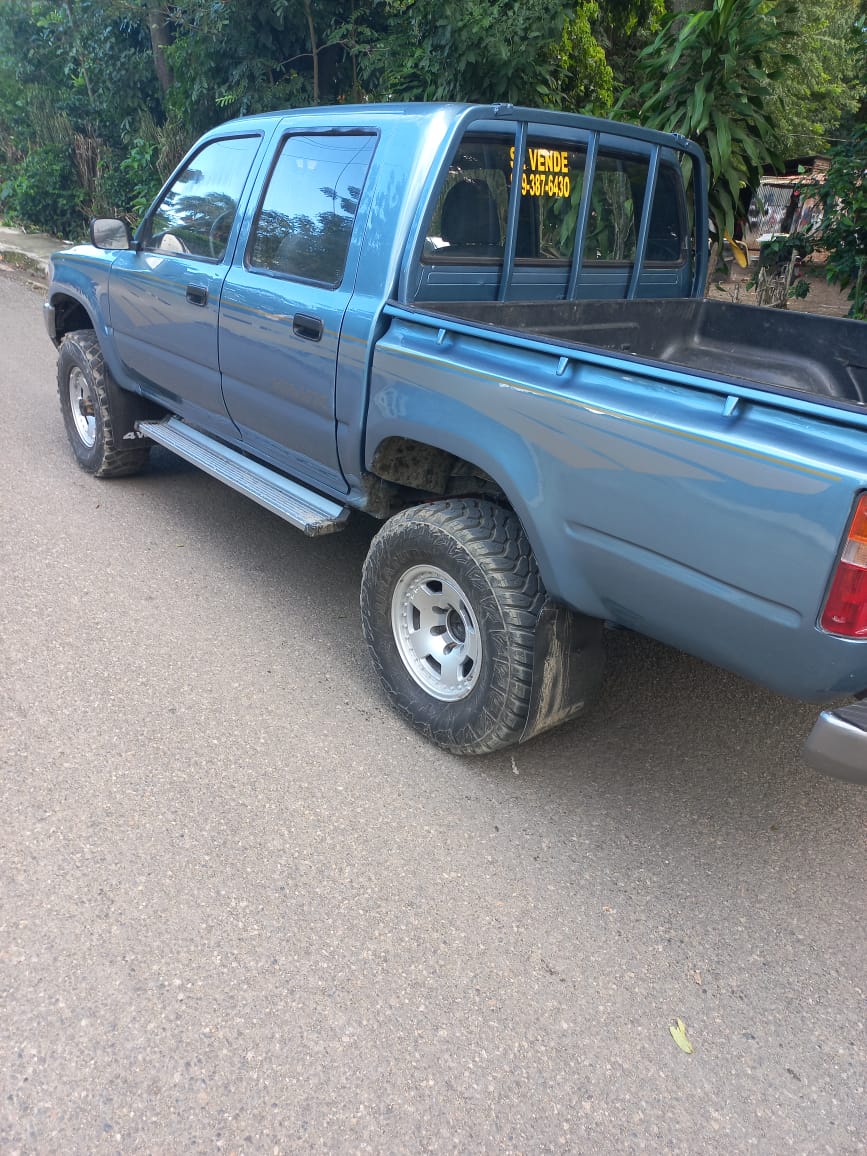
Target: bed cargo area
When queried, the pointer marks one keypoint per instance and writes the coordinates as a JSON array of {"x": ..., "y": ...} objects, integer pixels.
[{"x": 825, "y": 357}]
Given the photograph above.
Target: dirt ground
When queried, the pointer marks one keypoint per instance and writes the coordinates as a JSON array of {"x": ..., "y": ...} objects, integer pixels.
[{"x": 822, "y": 297}]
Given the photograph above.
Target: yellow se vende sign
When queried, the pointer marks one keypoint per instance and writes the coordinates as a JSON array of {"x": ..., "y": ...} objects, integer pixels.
[{"x": 546, "y": 173}]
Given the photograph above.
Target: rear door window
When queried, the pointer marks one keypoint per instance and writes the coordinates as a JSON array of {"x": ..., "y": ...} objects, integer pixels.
[{"x": 304, "y": 224}]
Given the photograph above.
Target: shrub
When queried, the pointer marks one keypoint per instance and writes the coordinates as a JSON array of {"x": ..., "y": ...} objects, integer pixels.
[
  {"x": 140, "y": 170},
  {"x": 44, "y": 192},
  {"x": 843, "y": 233}
]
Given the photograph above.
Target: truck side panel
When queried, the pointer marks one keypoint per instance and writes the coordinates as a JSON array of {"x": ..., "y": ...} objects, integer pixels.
[{"x": 646, "y": 502}]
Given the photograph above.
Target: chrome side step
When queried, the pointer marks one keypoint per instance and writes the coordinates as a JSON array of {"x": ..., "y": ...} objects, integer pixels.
[{"x": 303, "y": 508}]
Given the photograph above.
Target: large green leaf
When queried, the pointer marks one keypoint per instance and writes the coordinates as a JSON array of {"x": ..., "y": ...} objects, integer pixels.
[{"x": 708, "y": 78}]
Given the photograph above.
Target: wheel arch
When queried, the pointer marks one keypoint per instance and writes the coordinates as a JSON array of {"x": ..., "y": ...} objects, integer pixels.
[
  {"x": 420, "y": 466},
  {"x": 69, "y": 314},
  {"x": 76, "y": 303},
  {"x": 78, "y": 294},
  {"x": 423, "y": 467}
]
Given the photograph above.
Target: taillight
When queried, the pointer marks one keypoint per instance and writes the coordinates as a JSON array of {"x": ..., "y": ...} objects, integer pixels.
[{"x": 846, "y": 606}]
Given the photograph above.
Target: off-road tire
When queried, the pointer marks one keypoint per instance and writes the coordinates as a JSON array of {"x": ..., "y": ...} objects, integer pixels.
[
  {"x": 483, "y": 549},
  {"x": 82, "y": 369}
]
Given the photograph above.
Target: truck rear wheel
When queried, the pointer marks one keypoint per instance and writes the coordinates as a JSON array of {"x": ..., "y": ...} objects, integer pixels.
[
  {"x": 92, "y": 404},
  {"x": 450, "y": 601}
]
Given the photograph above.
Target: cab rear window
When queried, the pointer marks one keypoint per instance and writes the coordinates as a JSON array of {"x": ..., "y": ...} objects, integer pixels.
[{"x": 470, "y": 216}]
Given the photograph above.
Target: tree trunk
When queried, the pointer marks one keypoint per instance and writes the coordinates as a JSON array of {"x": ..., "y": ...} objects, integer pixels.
[
  {"x": 314, "y": 50},
  {"x": 681, "y": 10},
  {"x": 712, "y": 272},
  {"x": 160, "y": 41}
]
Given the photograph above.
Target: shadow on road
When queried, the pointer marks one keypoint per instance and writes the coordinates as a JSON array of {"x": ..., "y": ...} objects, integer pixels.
[{"x": 666, "y": 724}]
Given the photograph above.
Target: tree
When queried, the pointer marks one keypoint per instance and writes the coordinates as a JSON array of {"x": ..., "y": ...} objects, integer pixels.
[
  {"x": 844, "y": 222},
  {"x": 622, "y": 28},
  {"x": 232, "y": 57},
  {"x": 585, "y": 77},
  {"x": 709, "y": 77},
  {"x": 572, "y": 54},
  {"x": 159, "y": 27},
  {"x": 841, "y": 233},
  {"x": 90, "y": 58},
  {"x": 72, "y": 77},
  {"x": 476, "y": 50},
  {"x": 825, "y": 83}
]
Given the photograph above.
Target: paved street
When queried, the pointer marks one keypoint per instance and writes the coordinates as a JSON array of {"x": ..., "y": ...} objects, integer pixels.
[{"x": 244, "y": 909}]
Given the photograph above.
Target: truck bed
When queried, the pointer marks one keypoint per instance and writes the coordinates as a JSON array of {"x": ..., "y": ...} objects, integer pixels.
[{"x": 824, "y": 357}]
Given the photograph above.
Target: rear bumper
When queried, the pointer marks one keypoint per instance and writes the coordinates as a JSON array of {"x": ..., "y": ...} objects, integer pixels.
[{"x": 837, "y": 744}]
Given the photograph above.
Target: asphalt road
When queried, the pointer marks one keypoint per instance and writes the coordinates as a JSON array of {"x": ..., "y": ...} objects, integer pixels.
[{"x": 244, "y": 909}]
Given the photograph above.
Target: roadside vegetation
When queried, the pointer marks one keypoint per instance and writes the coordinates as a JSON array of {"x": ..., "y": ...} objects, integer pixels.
[{"x": 99, "y": 99}]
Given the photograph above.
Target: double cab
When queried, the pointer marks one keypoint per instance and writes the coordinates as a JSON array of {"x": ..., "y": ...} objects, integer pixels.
[{"x": 485, "y": 327}]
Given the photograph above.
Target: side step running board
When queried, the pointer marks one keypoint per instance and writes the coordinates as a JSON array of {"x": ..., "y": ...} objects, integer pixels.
[{"x": 303, "y": 508}]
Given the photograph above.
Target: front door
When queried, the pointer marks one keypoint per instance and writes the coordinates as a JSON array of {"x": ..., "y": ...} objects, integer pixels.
[{"x": 164, "y": 299}]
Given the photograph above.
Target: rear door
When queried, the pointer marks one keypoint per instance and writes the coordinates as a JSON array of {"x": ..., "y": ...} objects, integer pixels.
[
  {"x": 164, "y": 299},
  {"x": 283, "y": 305}
]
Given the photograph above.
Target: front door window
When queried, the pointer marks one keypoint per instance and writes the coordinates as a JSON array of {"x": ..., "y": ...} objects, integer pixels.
[{"x": 195, "y": 215}]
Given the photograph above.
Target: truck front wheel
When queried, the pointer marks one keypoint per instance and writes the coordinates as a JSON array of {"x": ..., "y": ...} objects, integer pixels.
[
  {"x": 95, "y": 410},
  {"x": 450, "y": 601}
]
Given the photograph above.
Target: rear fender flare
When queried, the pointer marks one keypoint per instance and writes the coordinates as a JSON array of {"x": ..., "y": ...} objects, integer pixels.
[{"x": 445, "y": 423}]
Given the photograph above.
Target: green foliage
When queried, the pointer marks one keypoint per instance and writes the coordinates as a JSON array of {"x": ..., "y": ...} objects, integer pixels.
[
  {"x": 92, "y": 57},
  {"x": 622, "y": 28},
  {"x": 843, "y": 232},
  {"x": 586, "y": 78},
  {"x": 232, "y": 57},
  {"x": 229, "y": 59},
  {"x": 140, "y": 170},
  {"x": 114, "y": 194},
  {"x": 476, "y": 50},
  {"x": 825, "y": 82},
  {"x": 709, "y": 77},
  {"x": 70, "y": 73},
  {"x": 44, "y": 193}
]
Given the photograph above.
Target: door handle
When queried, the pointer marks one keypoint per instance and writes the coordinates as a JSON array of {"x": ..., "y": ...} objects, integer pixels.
[
  {"x": 310, "y": 328},
  {"x": 197, "y": 295}
]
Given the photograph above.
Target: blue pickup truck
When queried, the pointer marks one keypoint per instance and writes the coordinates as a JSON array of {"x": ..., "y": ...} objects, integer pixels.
[{"x": 485, "y": 327}]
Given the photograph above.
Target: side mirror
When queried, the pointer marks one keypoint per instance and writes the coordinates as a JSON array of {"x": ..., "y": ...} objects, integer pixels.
[{"x": 109, "y": 233}]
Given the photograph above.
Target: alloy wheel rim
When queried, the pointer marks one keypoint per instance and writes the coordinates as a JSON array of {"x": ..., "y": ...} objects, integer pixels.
[
  {"x": 82, "y": 405},
  {"x": 436, "y": 633}
]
